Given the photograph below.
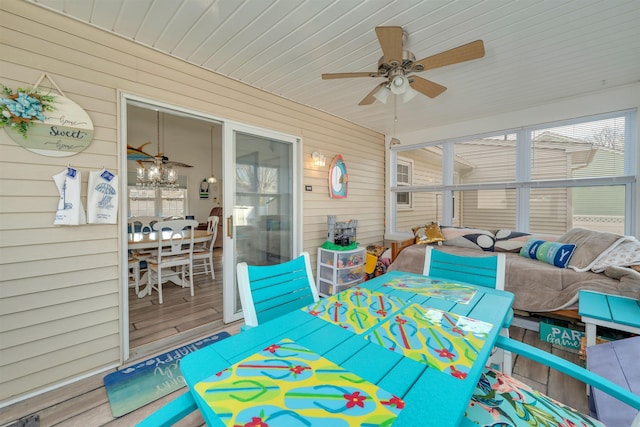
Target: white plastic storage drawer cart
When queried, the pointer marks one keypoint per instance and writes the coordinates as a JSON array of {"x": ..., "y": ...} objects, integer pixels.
[{"x": 338, "y": 270}]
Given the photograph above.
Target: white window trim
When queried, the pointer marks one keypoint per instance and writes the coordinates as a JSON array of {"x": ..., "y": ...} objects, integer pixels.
[
  {"x": 158, "y": 202},
  {"x": 409, "y": 163},
  {"x": 523, "y": 184}
]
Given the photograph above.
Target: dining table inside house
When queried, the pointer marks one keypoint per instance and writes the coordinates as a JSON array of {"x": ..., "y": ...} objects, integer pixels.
[
  {"x": 401, "y": 349},
  {"x": 149, "y": 241}
]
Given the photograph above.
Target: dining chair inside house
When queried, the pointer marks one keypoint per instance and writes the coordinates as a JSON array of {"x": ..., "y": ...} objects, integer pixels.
[
  {"x": 203, "y": 255},
  {"x": 500, "y": 399},
  {"x": 486, "y": 271},
  {"x": 142, "y": 224},
  {"x": 174, "y": 258},
  {"x": 269, "y": 291},
  {"x": 133, "y": 266}
]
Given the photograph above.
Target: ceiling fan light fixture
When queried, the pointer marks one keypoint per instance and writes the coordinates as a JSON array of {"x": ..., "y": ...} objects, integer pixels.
[
  {"x": 382, "y": 94},
  {"x": 409, "y": 94},
  {"x": 399, "y": 85}
]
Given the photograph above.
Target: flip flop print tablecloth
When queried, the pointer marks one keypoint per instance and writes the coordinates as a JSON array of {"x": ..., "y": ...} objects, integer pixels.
[
  {"x": 443, "y": 340},
  {"x": 288, "y": 385},
  {"x": 427, "y": 287},
  {"x": 356, "y": 309}
]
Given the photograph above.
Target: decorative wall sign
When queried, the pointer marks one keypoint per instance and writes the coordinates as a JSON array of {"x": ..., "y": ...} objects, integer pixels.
[
  {"x": 338, "y": 178},
  {"x": 70, "y": 210},
  {"x": 102, "y": 197},
  {"x": 66, "y": 129}
]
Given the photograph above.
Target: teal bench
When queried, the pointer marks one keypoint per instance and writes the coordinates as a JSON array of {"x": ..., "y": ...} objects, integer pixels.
[{"x": 610, "y": 311}]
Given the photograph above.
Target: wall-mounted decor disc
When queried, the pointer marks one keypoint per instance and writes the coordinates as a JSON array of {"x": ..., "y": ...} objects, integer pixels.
[
  {"x": 338, "y": 178},
  {"x": 66, "y": 131}
]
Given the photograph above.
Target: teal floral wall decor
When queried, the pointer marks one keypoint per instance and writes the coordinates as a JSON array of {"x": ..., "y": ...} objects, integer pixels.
[{"x": 22, "y": 107}]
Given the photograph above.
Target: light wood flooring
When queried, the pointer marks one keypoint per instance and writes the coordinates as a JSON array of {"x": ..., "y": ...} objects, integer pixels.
[
  {"x": 183, "y": 319},
  {"x": 180, "y": 315}
]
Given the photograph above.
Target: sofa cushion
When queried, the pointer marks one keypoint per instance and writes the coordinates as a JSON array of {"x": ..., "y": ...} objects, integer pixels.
[
  {"x": 554, "y": 253},
  {"x": 472, "y": 238}
]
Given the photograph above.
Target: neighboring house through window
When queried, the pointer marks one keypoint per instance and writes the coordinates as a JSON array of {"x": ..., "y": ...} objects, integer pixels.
[
  {"x": 546, "y": 178},
  {"x": 404, "y": 177}
]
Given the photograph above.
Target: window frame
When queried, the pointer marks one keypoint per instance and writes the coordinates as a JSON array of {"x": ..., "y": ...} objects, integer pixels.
[
  {"x": 158, "y": 201},
  {"x": 523, "y": 182},
  {"x": 409, "y": 164}
]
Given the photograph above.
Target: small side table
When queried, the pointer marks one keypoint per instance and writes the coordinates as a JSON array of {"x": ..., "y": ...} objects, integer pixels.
[{"x": 610, "y": 311}]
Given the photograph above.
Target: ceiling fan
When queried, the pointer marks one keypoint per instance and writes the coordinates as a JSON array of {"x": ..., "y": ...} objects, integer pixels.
[
  {"x": 397, "y": 64},
  {"x": 136, "y": 153}
]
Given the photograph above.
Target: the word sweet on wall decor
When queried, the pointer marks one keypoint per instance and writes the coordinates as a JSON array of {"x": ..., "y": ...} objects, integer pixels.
[{"x": 43, "y": 123}]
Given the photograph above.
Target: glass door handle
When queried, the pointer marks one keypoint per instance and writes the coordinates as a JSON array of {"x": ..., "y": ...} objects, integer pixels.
[{"x": 230, "y": 226}]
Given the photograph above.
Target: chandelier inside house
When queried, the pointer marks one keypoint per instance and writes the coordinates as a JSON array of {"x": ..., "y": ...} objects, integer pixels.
[
  {"x": 157, "y": 175},
  {"x": 161, "y": 173}
]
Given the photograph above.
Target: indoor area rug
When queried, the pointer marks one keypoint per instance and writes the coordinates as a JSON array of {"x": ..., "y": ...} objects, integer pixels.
[{"x": 134, "y": 386}]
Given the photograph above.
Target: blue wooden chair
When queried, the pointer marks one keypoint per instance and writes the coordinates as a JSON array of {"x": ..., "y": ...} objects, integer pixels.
[
  {"x": 502, "y": 400},
  {"x": 269, "y": 291},
  {"x": 484, "y": 271}
]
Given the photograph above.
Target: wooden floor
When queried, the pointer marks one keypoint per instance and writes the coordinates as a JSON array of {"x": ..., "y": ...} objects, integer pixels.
[
  {"x": 180, "y": 313},
  {"x": 183, "y": 319}
]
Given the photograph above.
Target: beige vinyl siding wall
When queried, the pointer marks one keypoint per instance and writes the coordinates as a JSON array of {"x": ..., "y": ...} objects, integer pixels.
[
  {"x": 486, "y": 161},
  {"x": 427, "y": 170},
  {"x": 60, "y": 286}
]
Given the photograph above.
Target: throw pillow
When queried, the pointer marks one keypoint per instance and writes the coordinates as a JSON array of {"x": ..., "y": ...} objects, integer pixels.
[
  {"x": 554, "y": 253},
  {"x": 428, "y": 234},
  {"x": 472, "y": 238},
  {"x": 420, "y": 235},
  {"x": 434, "y": 234},
  {"x": 510, "y": 241}
]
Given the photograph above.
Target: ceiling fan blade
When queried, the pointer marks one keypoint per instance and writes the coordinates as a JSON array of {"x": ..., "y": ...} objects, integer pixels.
[
  {"x": 348, "y": 75},
  {"x": 390, "y": 39},
  {"x": 165, "y": 161},
  {"x": 178, "y": 164},
  {"x": 466, "y": 52},
  {"x": 426, "y": 87},
  {"x": 370, "y": 99}
]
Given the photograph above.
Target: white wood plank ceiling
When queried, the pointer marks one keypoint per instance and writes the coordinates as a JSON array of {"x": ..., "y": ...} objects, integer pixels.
[{"x": 536, "y": 51}]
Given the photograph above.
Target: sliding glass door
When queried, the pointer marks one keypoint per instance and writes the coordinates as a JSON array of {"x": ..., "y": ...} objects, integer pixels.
[{"x": 260, "y": 204}]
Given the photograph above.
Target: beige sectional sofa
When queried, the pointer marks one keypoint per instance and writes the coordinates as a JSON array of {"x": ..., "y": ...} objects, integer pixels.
[{"x": 537, "y": 285}]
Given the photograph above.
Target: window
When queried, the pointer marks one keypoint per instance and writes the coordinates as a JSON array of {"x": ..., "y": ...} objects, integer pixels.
[
  {"x": 164, "y": 202},
  {"x": 404, "y": 176},
  {"x": 545, "y": 179}
]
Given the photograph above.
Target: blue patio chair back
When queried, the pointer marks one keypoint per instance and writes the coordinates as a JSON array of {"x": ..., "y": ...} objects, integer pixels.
[
  {"x": 269, "y": 291},
  {"x": 486, "y": 271}
]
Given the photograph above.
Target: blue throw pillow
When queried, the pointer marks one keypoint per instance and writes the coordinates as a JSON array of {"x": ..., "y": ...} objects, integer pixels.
[{"x": 554, "y": 253}]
